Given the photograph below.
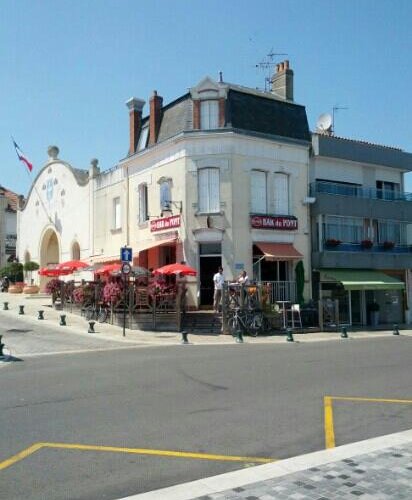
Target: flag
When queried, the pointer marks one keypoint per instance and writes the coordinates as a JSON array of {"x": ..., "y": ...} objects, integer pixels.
[{"x": 22, "y": 157}]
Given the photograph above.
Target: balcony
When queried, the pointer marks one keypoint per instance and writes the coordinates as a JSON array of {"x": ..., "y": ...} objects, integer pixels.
[
  {"x": 329, "y": 246},
  {"x": 334, "y": 188}
]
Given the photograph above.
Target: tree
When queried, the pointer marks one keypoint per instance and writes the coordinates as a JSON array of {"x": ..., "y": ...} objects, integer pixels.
[
  {"x": 14, "y": 271},
  {"x": 300, "y": 281},
  {"x": 30, "y": 266}
]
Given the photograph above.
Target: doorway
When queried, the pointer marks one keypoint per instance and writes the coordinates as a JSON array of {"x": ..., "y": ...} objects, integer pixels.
[{"x": 210, "y": 260}]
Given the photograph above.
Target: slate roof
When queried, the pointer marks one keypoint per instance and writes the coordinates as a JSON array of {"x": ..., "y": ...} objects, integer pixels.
[{"x": 12, "y": 198}]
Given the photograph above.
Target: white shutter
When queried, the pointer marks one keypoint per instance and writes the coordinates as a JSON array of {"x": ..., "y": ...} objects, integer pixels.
[
  {"x": 214, "y": 198},
  {"x": 116, "y": 213},
  {"x": 258, "y": 192},
  {"x": 203, "y": 190},
  {"x": 209, "y": 115},
  {"x": 142, "y": 203},
  {"x": 281, "y": 194}
]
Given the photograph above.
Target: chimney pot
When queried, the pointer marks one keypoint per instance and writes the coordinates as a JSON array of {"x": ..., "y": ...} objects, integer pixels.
[
  {"x": 282, "y": 66},
  {"x": 286, "y": 64},
  {"x": 282, "y": 81},
  {"x": 277, "y": 68}
]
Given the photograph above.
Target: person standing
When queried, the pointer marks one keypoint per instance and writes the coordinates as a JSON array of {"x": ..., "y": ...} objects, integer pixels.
[
  {"x": 218, "y": 280},
  {"x": 243, "y": 278}
]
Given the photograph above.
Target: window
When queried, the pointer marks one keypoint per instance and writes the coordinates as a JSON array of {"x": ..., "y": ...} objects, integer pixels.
[
  {"x": 281, "y": 194},
  {"x": 143, "y": 139},
  {"x": 143, "y": 215},
  {"x": 209, "y": 115},
  {"x": 258, "y": 192},
  {"x": 346, "y": 229},
  {"x": 387, "y": 190},
  {"x": 117, "y": 222},
  {"x": 209, "y": 196},
  {"x": 165, "y": 195},
  {"x": 392, "y": 231}
]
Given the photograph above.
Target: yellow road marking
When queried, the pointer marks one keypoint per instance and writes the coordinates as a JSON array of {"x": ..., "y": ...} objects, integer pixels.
[
  {"x": 20, "y": 456},
  {"x": 328, "y": 412},
  {"x": 328, "y": 416},
  {"x": 137, "y": 451}
]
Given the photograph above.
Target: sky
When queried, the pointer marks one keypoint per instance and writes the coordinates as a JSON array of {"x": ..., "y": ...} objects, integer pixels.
[{"x": 69, "y": 66}]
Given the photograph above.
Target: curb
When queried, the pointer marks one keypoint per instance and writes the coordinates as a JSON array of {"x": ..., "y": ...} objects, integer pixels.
[{"x": 239, "y": 478}]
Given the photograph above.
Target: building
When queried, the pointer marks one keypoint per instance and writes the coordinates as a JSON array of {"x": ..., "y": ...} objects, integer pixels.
[
  {"x": 217, "y": 177},
  {"x": 8, "y": 225},
  {"x": 361, "y": 228}
]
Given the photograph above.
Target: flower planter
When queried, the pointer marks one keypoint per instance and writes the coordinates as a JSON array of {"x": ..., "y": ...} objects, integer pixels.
[
  {"x": 332, "y": 243},
  {"x": 388, "y": 245},
  {"x": 31, "y": 289},
  {"x": 15, "y": 289},
  {"x": 366, "y": 244}
]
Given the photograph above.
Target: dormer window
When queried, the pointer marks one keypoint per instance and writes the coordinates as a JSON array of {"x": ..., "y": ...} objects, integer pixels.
[
  {"x": 209, "y": 114},
  {"x": 143, "y": 139}
]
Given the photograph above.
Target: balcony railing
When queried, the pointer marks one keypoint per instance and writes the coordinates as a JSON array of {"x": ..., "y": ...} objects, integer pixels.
[
  {"x": 325, "y": 187},
  {"x": 333, "y": 246}
]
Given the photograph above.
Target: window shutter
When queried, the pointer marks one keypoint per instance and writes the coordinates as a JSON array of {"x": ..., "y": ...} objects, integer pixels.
[
  {"x": 258, "y": 192},
  {"x": 117, "y": 215},
  {"x": 214, "y": 198},
  {"x": 203, "y": 190},
  {"x": 281, "y": 194},
  {"x": 209, "y": 115}
]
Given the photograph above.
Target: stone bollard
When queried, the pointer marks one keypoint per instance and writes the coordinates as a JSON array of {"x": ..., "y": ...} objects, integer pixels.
[
  {"x": 289, "y": 335},
  {"x": 91, "y": 327},
  {"x": 395, "y": 329},
  {"x": 1, "y": 346},
  {"x": 343, "y": 332},
  {"x": 184, "y": 338},
  {"x": 5, "y": 306},
  {"x": 41, "y": 315},
  {"x": 239, "y": 336},
  {"x": 62, "y": 320},
  {"x": 21, "y": 309}
]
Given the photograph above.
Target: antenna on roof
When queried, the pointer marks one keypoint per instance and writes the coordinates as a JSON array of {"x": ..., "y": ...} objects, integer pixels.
[
  {"x": 335, "y": 109},
  {"x": 268, "y": 64}
]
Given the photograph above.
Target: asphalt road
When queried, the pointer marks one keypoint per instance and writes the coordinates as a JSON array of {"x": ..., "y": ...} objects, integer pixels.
[{"x": 235, "y": 400}]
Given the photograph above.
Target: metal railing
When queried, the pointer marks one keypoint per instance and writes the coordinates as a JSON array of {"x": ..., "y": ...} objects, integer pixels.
[
  {"x": 326, "y": 187},
  {"x": 282, "y": 290}
]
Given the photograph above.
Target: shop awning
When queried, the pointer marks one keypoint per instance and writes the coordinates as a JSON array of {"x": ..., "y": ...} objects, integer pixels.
[
  {"x": 278, "y": 251},
  {"x": 156, "y": 243},
  {"x": 360, "y": 279}
]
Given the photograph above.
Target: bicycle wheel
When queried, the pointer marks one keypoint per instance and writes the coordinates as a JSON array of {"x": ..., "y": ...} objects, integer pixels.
[
  {"x": 102, "y": 315},
  {"x": 255, "y": 324},
  {"x": 233, "y": 326},
  {"x": 89, "y": 313}
]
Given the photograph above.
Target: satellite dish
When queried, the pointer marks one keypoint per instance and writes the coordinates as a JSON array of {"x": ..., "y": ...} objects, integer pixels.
[{"x": 324, "y": 123}]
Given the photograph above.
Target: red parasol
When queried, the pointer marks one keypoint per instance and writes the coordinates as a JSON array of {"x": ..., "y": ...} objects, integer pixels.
[
  {"x": 176, "y": 269},
  {"x": 71, "y": 265},
  {"x": 52, "y": 272},
  {"x": 109, "y": 268}
]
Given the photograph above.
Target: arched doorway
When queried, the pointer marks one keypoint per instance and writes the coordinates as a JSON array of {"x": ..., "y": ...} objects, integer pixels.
[
  {"x": 75, "y": 251},
  {"x": 49, "y": 252}
]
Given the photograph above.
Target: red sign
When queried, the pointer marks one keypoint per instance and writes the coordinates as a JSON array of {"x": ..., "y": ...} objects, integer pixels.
[
  {"x": 269, "y": 222},
  {"x": 166, "y": 223}
]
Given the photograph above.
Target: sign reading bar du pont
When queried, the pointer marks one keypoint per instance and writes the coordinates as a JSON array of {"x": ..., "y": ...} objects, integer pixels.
[
  {"x": 165, "y": 223},
  {"x": 269, "y": 222}
]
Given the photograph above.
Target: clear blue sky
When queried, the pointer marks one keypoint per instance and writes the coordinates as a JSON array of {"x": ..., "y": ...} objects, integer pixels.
[{"x": 67, "y": 67}]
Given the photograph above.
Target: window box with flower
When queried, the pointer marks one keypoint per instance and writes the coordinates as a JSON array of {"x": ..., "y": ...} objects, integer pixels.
[
  {"x": 332, "y": 242},
  {"x": 388, "y": 245},
  {"x": 366, "y": 244}
]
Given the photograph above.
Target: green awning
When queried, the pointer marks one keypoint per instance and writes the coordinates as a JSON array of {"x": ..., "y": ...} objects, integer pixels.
[{"x": 360, "y": 279}]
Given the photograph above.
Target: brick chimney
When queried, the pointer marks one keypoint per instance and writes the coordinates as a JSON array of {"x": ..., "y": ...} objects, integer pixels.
[
  {"x": 282, "y": 81},
  {"x": 135, "y": 115},
  {"x": 156, "y": 103}
]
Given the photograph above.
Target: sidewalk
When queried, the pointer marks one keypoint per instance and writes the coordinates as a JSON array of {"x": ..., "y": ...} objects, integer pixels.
[
  {"x": 378, "y": 468},
  {"x": 79, "y": 325}
]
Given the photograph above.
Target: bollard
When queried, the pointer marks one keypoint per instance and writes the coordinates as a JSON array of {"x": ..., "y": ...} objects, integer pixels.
[
  {"x": 343, "y": 333},
  {"x": 1, "y": 346},
  {"x": 395, "y": 329},
  {"x": 91, "y": 327},
  {"x": 41, "y": 313},
  {"x": 62, "y": 320},
  {"x": 184, "y": 337},
  {"x": 239, "y": 336},
  {"x": 21, "y": 309},
  {"x": 5, "y": 306},
  {"x": 289, "y": 335}
]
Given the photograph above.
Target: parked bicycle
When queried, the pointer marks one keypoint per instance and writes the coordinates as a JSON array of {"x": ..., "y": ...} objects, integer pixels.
[
  {"x": 252, "y": 322},
  {"x": 99, "y": 311}
]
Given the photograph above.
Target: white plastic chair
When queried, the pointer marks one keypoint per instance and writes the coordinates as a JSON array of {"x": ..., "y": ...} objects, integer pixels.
[{"x": 294, "y": 313}]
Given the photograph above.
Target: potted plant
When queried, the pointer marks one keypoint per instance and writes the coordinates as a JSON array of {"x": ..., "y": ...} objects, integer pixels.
[
  {"x": 374, "y": 313},
  {"x": 366, "y": 243},
  {"x": 332, "y": 242},
  {"x": 388, "y": 245},
  {"x": 29, "y": 267}
]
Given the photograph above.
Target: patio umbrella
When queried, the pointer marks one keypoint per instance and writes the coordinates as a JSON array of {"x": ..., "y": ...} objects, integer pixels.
[
  {"x": 72, "y": 265},
  {"x": 176, "y": 269},
  {"x": 52, "y": 272},
  {"x": 109, "y": 268}
]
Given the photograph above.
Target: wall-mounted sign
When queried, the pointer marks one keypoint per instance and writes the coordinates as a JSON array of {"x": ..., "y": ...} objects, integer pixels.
[
  {"x": 165, "y": 223},
  {"x": 270, "y": 222}
]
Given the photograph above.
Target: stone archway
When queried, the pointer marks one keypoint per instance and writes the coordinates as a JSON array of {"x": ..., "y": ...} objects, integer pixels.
[{"x": 49, "y": 252}]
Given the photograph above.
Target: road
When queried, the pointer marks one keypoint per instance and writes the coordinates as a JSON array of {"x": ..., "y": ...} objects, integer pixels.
[{"x": 233, "y": 401}]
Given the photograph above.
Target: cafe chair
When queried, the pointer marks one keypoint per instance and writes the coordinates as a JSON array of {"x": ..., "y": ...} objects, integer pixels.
[{"x": 293, "y": 316}]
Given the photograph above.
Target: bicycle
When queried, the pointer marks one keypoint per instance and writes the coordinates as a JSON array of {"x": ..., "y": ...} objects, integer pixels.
[
  {"x": 251, "y": 322},
  {"x": 97, "y": 311}
]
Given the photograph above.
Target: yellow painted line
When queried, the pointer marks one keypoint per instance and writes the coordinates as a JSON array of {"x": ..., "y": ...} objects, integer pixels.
[
  {"x": 20, "y": 456},
  {"x": 373, "y": 400},
  {"x": 159, "y": 453},
  {"x": 328, "y": 417}
]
